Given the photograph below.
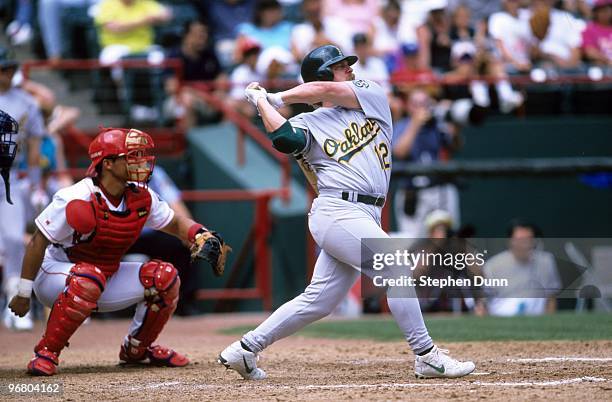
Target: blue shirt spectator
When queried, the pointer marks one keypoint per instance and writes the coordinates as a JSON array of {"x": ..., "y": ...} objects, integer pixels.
[
  {"x": 268, "y": 28},
  {"x": 223, "y": 16},
  {"x": 428, "y": 142},
  {"x": 277, "y": 35}
]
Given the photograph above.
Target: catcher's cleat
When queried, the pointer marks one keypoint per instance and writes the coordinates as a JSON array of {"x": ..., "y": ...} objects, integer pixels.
[
  {"x": 44, "y": 363},
  {"x": 244, "y": 362},
  {"x": 438, "y": 364},
  {"x": 155, "y": 355}
]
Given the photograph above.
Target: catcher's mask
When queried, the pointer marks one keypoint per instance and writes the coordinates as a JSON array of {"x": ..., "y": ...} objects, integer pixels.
[
  {"x": 134, "y": 145},
  {"x": 316, "y": 66},
  {"x": 8, "y": 148}
]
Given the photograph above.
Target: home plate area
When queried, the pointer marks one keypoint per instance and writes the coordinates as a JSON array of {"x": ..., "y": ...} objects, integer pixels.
[{"x": 306, "y": 368}]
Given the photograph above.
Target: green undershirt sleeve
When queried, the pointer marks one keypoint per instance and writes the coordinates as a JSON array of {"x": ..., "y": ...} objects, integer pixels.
[{"x": 287, "y": 139}]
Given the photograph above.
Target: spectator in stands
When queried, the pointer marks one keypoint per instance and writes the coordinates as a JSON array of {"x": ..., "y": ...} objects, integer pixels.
[
  {"x": 359, "y": 15},
  {"x": 462, "y": 29},
  {"x": 464, "y": 80},
  {"x": 439, "y": 224},
  {"x": 369, "y": 67},
  {"x": 480, "y": 9},
  {"x": 278, "y": 70},
  {"x": 414, "y": 14},
  {"x": 531, "y": 273},
  {"x": 318, "y": 30},
  {"x": 200, "y": 64},
  {"x": 59, "y": 120},
  {"x": 268, "y": 27},
  {"x": 408, "y": 70},
  {"x": 19, "y": 30},
  {"x": 597, "y": 37},
  {"x": 23, "y": 108},
  {"x": 407, "y": 75},
  {"x": 510, "y": 31},
  {"x": 223, "y": 16},
  {"x": 126, "y": 27},
  {"x": 386, "y": 33},
  {"x": 578, "y": 8},
  {"x": 50, "y": 14},
  {"x": 156, "y": 244},
  {"x": 292, "y": 10},
  {"x": 435, "y": 42},
  {"x": 276, "y": 64},
  {"x": 243, "y": 74},
  {"x": 421, "y": 138},
  {"x": 556, "y": 35}
]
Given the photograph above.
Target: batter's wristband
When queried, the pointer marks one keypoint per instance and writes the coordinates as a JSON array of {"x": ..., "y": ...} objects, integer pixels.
[
  {"x": 276, "y": 100},
  {"x": 24, "y": 289},
  {"x": 193, "y": 230}
]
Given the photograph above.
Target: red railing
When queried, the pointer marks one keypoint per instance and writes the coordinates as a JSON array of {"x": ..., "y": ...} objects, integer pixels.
[
  {"x": 93, "y": 64},
  {"x": 259, "y": 233}
]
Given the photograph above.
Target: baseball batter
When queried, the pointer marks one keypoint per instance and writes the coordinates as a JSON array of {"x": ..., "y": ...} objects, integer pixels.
[
  {"x": 345, "y": 147},
  {"x": 78, "y": 244}
]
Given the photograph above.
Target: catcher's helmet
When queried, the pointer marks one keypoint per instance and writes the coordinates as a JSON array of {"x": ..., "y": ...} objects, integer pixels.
[
  {"x": 132, "y": 144},
  {"x": 316, "y": 65},
  {"x": 8, "y": 148}
]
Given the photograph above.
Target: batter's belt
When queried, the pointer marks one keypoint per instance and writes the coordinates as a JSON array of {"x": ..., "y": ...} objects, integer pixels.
[{"x": 354, "y": 196}]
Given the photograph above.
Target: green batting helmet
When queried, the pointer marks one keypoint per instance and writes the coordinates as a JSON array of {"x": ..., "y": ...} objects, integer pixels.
[{"x": 316, "y": 66}]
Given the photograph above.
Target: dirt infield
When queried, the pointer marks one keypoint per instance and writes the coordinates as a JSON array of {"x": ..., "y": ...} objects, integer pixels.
[{"x": 311, "y": 369}]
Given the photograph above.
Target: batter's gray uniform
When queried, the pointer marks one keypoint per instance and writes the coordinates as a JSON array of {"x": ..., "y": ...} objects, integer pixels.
[
  {"x": 350, "y": 151},
  {"x": 22, "y": 107}
]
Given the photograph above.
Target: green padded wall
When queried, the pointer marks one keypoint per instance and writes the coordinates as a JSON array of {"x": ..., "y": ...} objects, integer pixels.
[
  {"x": 562, "y": 206},
  {"x": 213, "y": 165}
]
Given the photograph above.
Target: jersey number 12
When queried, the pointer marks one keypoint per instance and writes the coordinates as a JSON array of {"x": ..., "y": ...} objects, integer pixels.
[{"x": 382, "y": 151}]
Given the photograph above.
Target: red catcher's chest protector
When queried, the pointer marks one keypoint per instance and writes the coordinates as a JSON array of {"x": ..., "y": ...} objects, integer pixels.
[{"x": 115, "y": 231}]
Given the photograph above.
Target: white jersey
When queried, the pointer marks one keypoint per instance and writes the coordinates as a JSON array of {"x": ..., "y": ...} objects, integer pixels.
[
  {"x": 350, "y": 149},
  {"x": 53, "y": 225}
]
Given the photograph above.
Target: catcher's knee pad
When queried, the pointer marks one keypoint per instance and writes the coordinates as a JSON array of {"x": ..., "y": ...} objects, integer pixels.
[
  {"x": 84, "y": 286},
  {"x": 161, "y": 291}
]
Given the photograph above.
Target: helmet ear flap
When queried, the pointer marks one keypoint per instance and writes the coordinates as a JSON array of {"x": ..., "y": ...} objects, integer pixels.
[{"x": 325, "y": 74}]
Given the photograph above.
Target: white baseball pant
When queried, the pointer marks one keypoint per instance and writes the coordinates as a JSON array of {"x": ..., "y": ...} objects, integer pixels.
[
  {"x": 122, "y": 290},
  {"x": 338, "y": 227}
]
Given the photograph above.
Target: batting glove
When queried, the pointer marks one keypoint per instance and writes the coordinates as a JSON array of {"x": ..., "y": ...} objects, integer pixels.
[{"x": 254, "y": 92}]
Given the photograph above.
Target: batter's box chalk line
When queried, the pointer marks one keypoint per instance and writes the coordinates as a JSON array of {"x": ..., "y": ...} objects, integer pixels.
[
  {"x": 178, "y": 386},
  {"x": 561, "y": 359}
]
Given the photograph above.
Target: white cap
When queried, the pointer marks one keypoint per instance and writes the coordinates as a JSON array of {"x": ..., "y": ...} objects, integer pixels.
[
  {"x": 437, "y": 217},
  {"x": 463, "y": 48},
  {"x": 281, "y": 55},
  {"x": 437, "y": 4}
]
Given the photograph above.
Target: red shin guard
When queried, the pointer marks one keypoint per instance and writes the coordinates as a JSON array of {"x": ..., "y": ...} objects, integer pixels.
[
  {"x": 161, "y": 282},
  {"x": 83, "y": 289}
]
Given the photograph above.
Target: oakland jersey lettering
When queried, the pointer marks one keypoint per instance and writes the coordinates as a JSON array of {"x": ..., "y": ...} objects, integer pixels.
[{"x": 356, "y": 139}]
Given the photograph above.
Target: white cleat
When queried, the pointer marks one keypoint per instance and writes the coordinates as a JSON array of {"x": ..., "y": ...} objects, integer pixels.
[
  {"x": 15, "y": 323},
  {"x": 235, "y": 357},
  {"x": 438, "y": 364}
]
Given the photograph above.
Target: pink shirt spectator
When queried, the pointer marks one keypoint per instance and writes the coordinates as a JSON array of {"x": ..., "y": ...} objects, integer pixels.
[
  {"x": 358, "y": 14},
  {"x": 599, "y": 37}
]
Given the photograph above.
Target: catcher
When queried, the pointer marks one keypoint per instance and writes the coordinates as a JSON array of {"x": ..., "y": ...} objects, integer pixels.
[{"x": 80, "y": 239}]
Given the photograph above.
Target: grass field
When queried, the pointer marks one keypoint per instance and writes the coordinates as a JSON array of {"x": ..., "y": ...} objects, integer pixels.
[{"x": 561, "y": 326}]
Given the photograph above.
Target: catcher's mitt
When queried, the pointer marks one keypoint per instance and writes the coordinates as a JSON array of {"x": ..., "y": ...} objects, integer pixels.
[{"x": 210, "y": 246}]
